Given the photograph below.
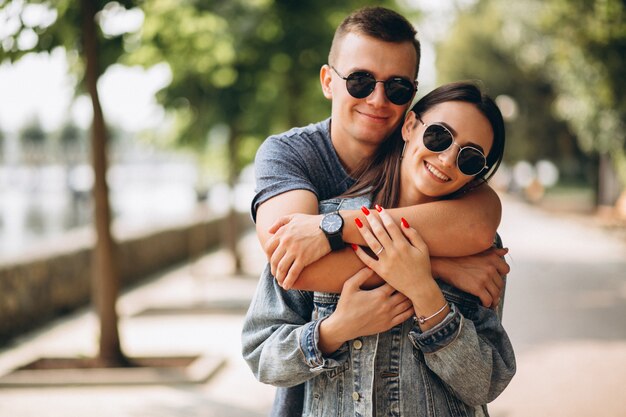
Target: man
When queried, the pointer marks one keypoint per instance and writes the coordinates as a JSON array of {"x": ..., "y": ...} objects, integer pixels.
[{"x": 375, "y": 48}]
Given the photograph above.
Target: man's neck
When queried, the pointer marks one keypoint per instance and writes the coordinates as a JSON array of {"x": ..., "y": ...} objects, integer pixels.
[{"x": 351, "y": 153}]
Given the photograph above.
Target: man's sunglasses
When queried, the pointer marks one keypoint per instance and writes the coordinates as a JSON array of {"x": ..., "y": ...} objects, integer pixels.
[
  {"x": 360, "y": 84},
  {"x": 470, "y": 160}
]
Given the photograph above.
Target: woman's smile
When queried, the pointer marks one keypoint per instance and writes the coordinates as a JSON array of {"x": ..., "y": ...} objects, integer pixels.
[{"x": 436, "y": 173}]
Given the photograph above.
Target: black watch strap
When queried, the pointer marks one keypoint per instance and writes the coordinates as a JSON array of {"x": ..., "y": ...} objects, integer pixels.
[{"x": 336, "y": 242}]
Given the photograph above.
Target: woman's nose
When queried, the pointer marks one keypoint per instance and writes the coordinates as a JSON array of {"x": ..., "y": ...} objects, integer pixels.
[{"x": 448, "y": 157}]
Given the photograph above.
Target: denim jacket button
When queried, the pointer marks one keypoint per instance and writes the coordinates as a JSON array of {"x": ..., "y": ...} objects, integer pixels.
[
  {"x": 355, "y": 396},
  {"x": 357, "y": 344}
]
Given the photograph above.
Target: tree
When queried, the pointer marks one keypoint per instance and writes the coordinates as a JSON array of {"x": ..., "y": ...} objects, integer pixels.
[{"x": 74, "y": 26}]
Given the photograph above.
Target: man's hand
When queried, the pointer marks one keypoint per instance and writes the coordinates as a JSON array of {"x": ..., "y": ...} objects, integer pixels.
[
  {"x": 296, "y": 242},
  {"x": 480, "y": 275}
]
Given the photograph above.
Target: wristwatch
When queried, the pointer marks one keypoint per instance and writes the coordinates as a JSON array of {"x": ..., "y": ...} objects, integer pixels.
[{"x": 331, "y": 225}]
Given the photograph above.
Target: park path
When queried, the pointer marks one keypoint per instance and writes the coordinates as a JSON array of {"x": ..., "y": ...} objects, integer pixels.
[{"x": 565, "y": 312}]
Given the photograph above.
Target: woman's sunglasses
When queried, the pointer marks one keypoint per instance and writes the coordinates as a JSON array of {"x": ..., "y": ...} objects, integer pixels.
[
  {"x": 470, "y": 160},
  {"x": 360, "y": 84}
]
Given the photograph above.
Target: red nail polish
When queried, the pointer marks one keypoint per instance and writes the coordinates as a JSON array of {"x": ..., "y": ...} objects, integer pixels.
[
  {"x": 405, "y": 223},
  {"x": 365, "y": 210},
  {"x": 353, "y": 246},
  {"x": 358, "y": 222},
  {"x": 378, "y": 208}
]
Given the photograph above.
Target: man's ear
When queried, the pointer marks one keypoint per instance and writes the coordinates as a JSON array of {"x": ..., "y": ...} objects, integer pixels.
[{"x": 325, "y": 79}]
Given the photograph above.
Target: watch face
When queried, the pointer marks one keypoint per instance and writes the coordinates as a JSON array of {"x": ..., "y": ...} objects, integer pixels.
[{"x": 332, "y": 223}]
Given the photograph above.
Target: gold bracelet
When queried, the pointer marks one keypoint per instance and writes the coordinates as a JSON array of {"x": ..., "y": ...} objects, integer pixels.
[{"x": 422, "y": 319}]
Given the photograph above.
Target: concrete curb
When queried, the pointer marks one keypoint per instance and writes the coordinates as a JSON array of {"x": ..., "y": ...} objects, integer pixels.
[{"x": 198, "y": 371}]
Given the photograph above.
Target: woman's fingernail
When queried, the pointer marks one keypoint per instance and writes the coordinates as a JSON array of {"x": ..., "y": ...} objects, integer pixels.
[
  {"x": 404, "y": 223},
  {"x": 358, "y": 222},
  {"x": 353, "y": 246},
  {"x": 365, "y": 210},
  {"x": 378, "y": 208}
]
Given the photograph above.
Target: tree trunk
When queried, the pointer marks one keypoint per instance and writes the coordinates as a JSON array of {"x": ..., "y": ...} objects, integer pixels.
[
  {"x": 609, "y": 187},
  {"x": 232, "y": 229},
  {"x": 105, "y": 277}
]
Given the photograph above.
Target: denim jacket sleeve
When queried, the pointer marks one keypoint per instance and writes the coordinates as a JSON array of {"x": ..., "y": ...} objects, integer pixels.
[
  {"x": 280, "y": 338},
  {"x": 469, "y": 350}
]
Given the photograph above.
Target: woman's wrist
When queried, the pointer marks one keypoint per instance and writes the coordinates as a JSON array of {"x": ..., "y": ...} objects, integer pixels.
[
  {"x": 330, "y": 336},
  {"x": 430, "y": 306}
]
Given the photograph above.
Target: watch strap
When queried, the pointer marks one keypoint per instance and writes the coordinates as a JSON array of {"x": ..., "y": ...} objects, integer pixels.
[{"x": 336, "y": 241}]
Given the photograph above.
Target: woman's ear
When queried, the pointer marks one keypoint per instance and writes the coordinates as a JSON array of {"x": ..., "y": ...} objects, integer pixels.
[
  {"x": 410, "y": 123},
  {"x": 325, "y": 79}
]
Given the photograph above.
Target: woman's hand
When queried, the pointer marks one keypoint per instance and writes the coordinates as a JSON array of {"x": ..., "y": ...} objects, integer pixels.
[
  {"x": 363, "y": 312},
  {"x": 402, "y": 260},
  {"x": 402, "y": 257}
]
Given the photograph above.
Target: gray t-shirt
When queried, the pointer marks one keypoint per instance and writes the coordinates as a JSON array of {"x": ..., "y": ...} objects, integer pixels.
[{"x": 302, "y": 158}]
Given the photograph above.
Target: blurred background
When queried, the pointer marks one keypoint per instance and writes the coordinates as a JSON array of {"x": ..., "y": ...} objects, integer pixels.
[{"x": 120, "y": 116}]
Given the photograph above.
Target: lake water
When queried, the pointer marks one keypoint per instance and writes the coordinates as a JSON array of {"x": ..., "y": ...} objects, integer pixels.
[{"x": 41, "y": 203}]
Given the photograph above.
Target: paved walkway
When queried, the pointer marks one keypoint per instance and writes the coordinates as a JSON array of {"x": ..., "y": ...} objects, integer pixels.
[{"x": 565, "y": 310}]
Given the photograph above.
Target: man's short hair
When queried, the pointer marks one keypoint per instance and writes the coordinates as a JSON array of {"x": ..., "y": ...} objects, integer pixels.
[{"x": 379, "y": 23}]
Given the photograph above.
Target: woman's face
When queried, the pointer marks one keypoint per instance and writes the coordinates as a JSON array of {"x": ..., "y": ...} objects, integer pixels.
[{"x": 428, "y": 175}]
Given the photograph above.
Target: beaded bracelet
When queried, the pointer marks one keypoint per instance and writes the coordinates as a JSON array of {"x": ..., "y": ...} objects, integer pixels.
[{"x": 422, "y": 319}]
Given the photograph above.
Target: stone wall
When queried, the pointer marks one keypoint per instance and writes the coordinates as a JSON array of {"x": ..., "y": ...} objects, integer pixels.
[{"x": 55, "y": 279}]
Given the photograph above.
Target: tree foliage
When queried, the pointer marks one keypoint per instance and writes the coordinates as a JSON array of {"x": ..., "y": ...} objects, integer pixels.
[
  {"x": 251, "y": 66},
  {"x": 579, "y": 47}
]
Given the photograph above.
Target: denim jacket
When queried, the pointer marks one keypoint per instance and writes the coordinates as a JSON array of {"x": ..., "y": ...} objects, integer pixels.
[{"x": 453, "y": 369}]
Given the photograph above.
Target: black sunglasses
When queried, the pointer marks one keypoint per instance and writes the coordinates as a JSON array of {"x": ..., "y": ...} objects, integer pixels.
[
  {"x": 360, "y": 84},
  {"x": 470, "y": 160}
]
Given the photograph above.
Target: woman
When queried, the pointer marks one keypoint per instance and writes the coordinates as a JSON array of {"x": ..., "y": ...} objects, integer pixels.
[{"x": 413, "y": 346}]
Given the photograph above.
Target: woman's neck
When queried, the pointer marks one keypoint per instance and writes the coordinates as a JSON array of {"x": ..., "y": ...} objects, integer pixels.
[{"x": 410, "y": 195}]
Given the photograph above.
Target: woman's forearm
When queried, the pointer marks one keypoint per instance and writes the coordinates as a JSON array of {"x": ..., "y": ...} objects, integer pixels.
[
  {"x": 458, "y": 227},
  {"x": 329, "y": 273}
]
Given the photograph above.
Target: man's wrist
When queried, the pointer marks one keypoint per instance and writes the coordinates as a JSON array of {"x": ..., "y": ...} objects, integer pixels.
[{"x": 332, "y": 226}]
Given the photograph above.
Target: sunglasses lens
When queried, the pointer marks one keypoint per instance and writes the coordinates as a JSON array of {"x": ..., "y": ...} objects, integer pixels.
[
  {"x": 470, "y": 161},
  {"x": 437, "y": 138},
  {"x": 399, "y": 91},
  {"x": 360, "y": 84}
]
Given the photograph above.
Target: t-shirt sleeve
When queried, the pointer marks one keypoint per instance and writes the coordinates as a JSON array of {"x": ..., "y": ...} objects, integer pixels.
[{"x": 279, "y": 168}]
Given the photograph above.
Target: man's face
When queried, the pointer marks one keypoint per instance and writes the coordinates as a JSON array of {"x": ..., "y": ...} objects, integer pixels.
[{"x": 366, "y": 122}]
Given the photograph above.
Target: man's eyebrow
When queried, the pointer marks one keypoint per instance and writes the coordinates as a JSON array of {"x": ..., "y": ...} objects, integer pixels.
[{"x": 455, "y": 134}]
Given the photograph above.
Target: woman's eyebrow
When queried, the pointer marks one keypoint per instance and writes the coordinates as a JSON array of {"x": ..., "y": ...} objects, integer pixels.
[{"x": 455, "y": 134}]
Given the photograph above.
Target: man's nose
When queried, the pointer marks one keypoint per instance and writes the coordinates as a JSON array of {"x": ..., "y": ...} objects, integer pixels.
[{"x": 378, "y": 97}]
